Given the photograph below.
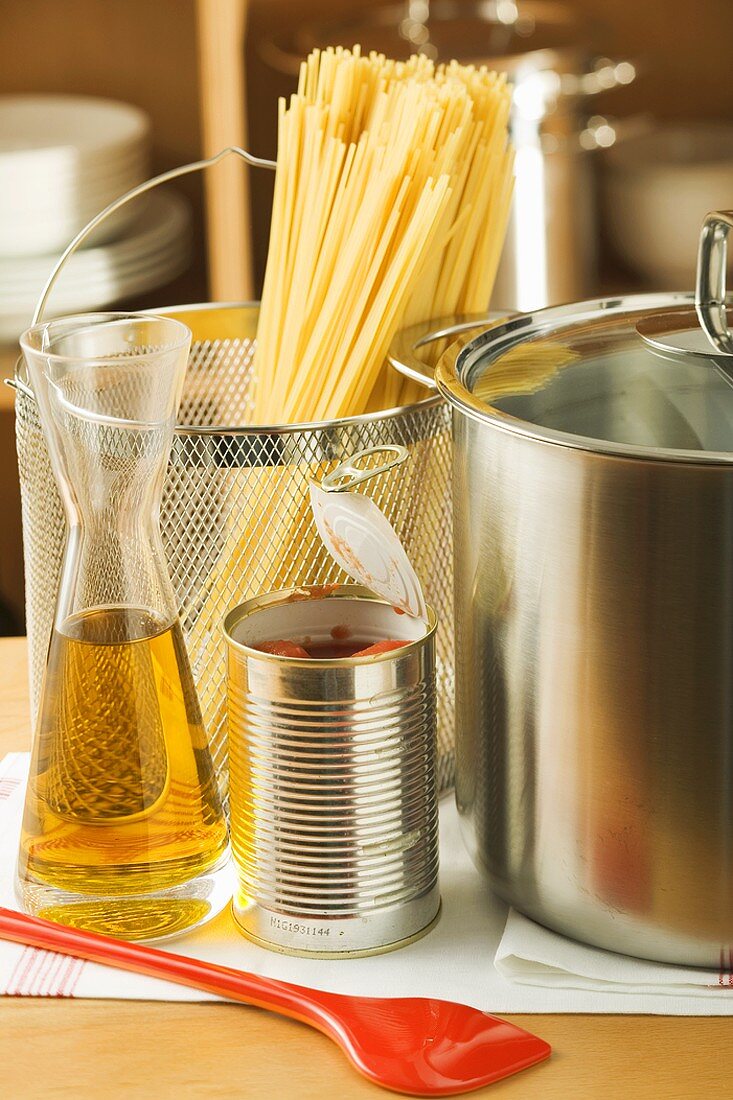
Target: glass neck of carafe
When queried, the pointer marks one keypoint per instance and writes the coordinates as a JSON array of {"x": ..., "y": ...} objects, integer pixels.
[
  {"x": 111, "y": 478},
  {"x": 108, "y": 421}
]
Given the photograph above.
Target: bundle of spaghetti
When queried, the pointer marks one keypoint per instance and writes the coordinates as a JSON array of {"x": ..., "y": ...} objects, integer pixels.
[{"x": 391, "y": 200}]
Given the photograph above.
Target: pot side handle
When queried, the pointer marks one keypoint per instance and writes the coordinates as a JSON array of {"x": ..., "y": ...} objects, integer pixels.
[{"x": 415, "y": 350}]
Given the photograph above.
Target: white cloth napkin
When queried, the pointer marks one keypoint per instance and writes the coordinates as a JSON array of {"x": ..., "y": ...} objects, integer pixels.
[
  {"x": 535, "y": 971},
  {"x": 535, "y": 956}
]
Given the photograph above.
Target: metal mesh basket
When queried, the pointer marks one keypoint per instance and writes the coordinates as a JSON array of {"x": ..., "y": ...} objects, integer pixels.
[{"x": 235, "y": 517}]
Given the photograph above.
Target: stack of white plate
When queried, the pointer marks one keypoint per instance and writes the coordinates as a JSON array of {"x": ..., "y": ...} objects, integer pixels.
[
  {"x": 152, "y": 252},
  {"x": 62, "y": 160}
]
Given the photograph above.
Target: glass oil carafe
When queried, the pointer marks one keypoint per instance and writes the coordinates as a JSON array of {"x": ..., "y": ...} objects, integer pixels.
[{"x": 123, "y": 830}]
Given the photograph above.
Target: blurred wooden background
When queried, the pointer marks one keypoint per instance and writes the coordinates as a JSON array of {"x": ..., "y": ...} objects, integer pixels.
[
  {"x": 174, "y": 59},
  {"x": 683, "y": 49}
]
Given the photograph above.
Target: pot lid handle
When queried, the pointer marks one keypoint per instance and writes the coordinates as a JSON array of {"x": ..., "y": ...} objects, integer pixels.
[
  {"x": 710, "y": 285},
  {"x": 703, "y": 332}
]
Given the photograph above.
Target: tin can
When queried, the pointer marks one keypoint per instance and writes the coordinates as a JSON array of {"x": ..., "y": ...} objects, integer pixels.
[{"x": 334, "y": 816}]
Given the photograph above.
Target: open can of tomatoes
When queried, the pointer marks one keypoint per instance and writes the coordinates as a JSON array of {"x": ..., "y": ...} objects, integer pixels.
[{"x": 331, "y": 716}]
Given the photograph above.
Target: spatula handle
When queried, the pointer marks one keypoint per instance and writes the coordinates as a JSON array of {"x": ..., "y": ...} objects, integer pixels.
[{"x": 288, "y": 1000}]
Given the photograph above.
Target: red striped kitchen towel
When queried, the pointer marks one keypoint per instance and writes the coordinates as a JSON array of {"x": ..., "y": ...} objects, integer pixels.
[{"x": 478, "y": 954}]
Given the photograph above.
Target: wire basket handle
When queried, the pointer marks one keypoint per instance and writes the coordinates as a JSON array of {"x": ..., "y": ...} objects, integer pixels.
[{"x": 148, "y": 185}]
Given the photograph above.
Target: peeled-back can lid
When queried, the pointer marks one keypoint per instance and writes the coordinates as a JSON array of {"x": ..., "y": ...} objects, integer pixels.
[{"x": 361, "y": 539}]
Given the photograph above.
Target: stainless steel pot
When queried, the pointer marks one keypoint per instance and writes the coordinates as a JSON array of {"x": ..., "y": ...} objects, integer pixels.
[{"x": 593, "y": 519}]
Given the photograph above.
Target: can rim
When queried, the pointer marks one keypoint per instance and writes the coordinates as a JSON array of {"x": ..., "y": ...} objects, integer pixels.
[{"x": 345, "y": 591}]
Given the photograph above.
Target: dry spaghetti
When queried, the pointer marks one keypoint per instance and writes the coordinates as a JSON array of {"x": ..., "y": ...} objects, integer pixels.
[{"x": 391, "y": 200}]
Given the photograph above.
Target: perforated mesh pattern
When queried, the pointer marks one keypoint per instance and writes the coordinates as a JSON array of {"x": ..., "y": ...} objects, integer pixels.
[{"x": 236, "y": 520}]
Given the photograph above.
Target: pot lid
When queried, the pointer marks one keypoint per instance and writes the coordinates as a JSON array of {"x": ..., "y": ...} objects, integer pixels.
[{"x": 632, "y": 376}]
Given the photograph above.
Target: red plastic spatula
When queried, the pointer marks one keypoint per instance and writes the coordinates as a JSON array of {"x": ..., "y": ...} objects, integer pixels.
[{"x": 413, "y": 1045}]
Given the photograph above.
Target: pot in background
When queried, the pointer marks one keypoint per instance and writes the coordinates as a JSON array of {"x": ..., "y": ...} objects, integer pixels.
[{"x": 550, "y": 55}]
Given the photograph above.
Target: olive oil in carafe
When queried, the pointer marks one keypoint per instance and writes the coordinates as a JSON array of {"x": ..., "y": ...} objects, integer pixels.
[{"x": 122, "y": 805}]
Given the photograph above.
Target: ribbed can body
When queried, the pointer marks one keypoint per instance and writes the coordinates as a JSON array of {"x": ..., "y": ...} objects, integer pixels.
[{"x": 332, "y": 764}]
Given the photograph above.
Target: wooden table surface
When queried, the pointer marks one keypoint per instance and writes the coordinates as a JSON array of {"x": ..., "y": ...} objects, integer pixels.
[{"x": 140, "y": 1051}]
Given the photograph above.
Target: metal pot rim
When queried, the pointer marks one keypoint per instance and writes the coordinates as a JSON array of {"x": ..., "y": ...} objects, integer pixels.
[{"x": 449, "y": 376}]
